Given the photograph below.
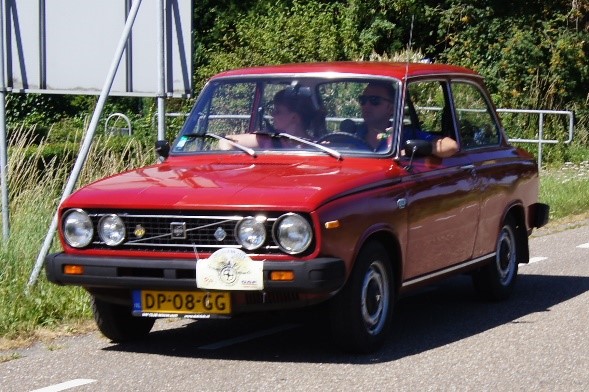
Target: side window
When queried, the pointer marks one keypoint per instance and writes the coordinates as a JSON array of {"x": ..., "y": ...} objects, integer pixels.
[
  {"x": 477, "y": 125},
  {"x": 426, "y": 109}
]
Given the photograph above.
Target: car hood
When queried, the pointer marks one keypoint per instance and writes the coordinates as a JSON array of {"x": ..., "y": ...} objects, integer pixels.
[{"x": 302, "y": 183}]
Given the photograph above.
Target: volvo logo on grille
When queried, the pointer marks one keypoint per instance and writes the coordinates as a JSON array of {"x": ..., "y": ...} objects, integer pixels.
[{"x": 178, "y": 230}]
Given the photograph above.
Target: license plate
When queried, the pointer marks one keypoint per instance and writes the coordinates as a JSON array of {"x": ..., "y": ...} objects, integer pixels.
[{"x": 156, "y": 303}]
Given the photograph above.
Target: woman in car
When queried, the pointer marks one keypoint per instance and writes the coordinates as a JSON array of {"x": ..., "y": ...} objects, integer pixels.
[{"x": 291, "y": 114}]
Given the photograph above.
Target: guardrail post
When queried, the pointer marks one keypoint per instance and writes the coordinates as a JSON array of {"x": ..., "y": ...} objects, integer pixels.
[{"x": 540, "y": 138}]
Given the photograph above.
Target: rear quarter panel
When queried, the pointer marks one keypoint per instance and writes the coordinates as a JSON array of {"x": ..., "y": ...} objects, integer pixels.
[{"x": 506, "y": 178}]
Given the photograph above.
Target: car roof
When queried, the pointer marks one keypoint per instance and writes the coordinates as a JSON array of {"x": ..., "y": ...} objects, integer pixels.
[{"x": 370, "y": 68}]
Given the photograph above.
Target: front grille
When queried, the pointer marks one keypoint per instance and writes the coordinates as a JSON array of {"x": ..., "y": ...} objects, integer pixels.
[{"x": 181, "y": 233}]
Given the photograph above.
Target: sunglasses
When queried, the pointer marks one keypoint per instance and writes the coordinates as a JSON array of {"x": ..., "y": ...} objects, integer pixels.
[{"x": 374, "y": 100}]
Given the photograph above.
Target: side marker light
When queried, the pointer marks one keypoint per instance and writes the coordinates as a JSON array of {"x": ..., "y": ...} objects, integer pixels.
[{"x": 332, "y": 224}]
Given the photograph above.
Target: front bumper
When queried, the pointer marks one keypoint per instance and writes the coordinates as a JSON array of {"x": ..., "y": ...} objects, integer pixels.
[{"x": 322, "y": 275}]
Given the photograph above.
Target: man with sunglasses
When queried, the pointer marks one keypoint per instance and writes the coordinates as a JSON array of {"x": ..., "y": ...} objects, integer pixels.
[{"x": 378, "y": 107}]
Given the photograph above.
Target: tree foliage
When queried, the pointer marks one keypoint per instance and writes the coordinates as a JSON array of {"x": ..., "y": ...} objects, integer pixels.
[{"x": 533, "y": 53}]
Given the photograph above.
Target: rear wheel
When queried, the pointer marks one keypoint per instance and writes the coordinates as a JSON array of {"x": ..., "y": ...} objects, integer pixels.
[
  {"x": 362, "y": 312},
  {"x": 496, "y": 280},
  {"x": 117, "y": 323}
]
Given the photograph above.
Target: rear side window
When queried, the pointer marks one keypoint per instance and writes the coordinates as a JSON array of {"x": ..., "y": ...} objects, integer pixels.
[{"x": 476, "y": 122}]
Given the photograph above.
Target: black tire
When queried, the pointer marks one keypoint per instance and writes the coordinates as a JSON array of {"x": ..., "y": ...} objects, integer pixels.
[
  {"x": 496, "y": 280},
  {"x": 117, "y": 323},
  {"x": 361, "y": 313}
]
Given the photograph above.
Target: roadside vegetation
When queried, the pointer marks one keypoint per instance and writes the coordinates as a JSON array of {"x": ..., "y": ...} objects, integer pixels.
[
  {"x": 533, "y": 55},
  {"x": 35, "y": 187},
  {"x": 565, "y": 189}
]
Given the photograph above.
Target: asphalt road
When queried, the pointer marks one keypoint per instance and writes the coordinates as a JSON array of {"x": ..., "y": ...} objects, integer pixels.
[{"x": 444, "y": 338}]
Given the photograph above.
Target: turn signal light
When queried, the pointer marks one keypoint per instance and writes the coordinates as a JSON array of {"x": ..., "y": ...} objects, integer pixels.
[
  {"x": 71, "y": 269},
  {"x": 332, "y": 224},
  {"x": 282, "y": 275}
]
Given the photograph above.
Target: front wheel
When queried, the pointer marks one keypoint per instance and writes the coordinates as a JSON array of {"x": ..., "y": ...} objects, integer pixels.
[
  {"x": 117, "y": 323},
  {"x": 362, "y": 312},
  {"x": 496, "y": 280}
]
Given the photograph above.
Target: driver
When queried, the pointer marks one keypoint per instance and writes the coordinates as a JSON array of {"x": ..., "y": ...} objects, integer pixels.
[{"x": 377, "y": 105}]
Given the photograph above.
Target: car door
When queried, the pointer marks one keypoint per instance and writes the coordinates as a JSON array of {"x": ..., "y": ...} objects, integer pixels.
[
  {"x": 443, "y": 207},
  {"x": 480, "y": 136}
]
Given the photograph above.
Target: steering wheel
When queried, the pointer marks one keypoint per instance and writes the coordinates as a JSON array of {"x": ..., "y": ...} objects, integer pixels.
[{"x": 344, "y": 138}]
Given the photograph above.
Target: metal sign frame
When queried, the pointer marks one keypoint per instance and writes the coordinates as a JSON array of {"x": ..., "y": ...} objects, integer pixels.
[
  {"x": 64, "y": 47},
  {"x": 160, "y": 66}
]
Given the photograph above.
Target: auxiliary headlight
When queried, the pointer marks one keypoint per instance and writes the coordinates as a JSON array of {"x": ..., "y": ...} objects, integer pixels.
[
  {"x": 77, "y": 228},
  {"x": 293, "y": 233},
  {"x": 250, "y": 232},
  {"x": 111, "y": 230}
]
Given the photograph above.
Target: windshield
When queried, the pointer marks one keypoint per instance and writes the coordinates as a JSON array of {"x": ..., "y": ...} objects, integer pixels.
[{"x": 281, "y": 114}]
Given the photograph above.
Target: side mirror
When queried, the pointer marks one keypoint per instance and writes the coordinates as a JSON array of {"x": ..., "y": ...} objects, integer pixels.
[
  {"x": 162, "y": 149},
  {"x": 418, "y": 148}
]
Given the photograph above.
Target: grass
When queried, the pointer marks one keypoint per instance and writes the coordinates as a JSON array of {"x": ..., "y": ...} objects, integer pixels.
[
  {"x": 565, "y": 189},
  {"x": 34, "y": 198}
]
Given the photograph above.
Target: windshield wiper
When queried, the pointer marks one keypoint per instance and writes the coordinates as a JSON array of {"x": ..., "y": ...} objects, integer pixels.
[
  {"x": 233, "y": 143},
  {"x": 330, "y": 151}
]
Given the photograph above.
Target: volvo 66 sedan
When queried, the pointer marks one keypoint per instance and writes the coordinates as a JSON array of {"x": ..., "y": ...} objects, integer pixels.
[{"x": 342, "y": 184}]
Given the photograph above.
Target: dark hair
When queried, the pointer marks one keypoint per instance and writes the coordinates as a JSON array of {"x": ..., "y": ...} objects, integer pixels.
[
  {"x": 300, "y": 104},
  {"x": 389, "y": 88}
]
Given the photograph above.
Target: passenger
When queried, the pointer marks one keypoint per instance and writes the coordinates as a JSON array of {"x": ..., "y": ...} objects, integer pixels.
[
  {"x": 378, "y": 107},
  {"x": 291, "y": 114}
]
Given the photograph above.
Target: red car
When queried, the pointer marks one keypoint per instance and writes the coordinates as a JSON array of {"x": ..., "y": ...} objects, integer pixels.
[{"x": 246, "y": 212}]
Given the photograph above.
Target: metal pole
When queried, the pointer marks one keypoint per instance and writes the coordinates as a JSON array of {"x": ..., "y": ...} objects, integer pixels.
[
  {"x": 540, "y": 139},
  {"x": 161, "y": 95},
  {"x": 88, "y": 137},
  {"x": 3, "y": 144}
]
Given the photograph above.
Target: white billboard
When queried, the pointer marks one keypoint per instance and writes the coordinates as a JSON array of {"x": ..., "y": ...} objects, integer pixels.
[{"x": 66, "y": 47}]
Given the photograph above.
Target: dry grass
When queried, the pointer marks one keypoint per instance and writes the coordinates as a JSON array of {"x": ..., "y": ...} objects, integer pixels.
[{"x": 34, "y": 195}]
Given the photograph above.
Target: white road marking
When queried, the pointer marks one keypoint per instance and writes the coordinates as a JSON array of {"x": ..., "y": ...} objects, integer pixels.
[
  {"x": 583, "y": 246},
  {"x": 65, "y": 385},
  {"x": 536, "y": 259},
  {"x": 251, "y": 336}
]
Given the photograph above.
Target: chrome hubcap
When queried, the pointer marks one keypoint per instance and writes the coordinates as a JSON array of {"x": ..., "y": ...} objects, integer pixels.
[
  {"x": 375, "y": 297},
  {"x": 506, "y": 255}
]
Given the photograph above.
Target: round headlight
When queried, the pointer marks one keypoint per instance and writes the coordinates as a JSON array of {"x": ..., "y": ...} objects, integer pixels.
[
  {"x": 250, "y": 232},
  {"x": 77, "y": 228},
  {"x": 293, "y": 233},
  {"x": 111, "y": 230}
]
